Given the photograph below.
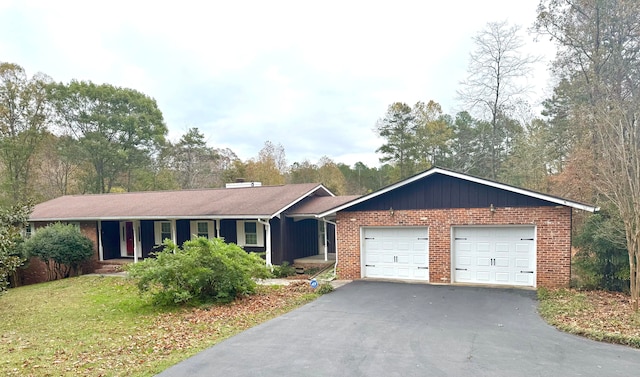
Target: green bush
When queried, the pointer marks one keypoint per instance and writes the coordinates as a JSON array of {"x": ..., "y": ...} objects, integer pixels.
[
  {"x": 284, "y": 270},
  {"x": 325, "y": 288},
  {"x": 62, "y": 247},
  {"x": 11, "y": 251},
  {"x": 203, "y": 270},
  {"x": 602, "y": 261}
]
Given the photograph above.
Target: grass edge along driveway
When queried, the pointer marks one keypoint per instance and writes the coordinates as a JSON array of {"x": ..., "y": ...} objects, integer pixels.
[{"x": 100, "y": 326}]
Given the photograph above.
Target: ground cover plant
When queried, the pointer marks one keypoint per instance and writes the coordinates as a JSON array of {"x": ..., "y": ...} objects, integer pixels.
[
  {"x": 101, "y": 326},
  {"x": 599, "y": 315}
]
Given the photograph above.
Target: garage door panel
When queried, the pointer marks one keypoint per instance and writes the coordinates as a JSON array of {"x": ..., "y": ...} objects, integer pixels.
[
  {"x": 421, "y": 259},
  {"x": 501, "y": 262},
  {"x": 483, "y": 247},
  {"x": 404, "y": 253},
  {"x": 463, "y": 261},
  {"x": 494, "y": 255}
]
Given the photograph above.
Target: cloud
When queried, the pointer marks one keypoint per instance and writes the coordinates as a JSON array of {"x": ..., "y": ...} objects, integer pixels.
[{"x": 314, "y": 77}]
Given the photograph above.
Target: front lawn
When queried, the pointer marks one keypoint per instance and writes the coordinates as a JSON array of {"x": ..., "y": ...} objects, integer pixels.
[
  {"x": 100, "y": 326},
  {"x": 599, "y": 315}
]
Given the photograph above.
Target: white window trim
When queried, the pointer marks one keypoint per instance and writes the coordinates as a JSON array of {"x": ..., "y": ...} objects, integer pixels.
[
  {"x": 157, "y": 231},
  {"x": 242, "y": 237},
  {"x": 194, "y": 228}
]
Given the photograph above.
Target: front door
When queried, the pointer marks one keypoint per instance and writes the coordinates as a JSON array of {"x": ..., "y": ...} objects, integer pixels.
[{"x": 127, "y": 239}]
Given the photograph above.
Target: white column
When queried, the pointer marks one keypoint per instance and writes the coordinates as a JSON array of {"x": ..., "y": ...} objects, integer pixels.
[
  {"x": 136, "y": 225},
  {"x": 174, "y": 233},
  {"x": 267, "y": 229},
  {"x": 217, "y": 228},
  {"x": 100, "y": 250},
  {"x": 326, "y": 246}
]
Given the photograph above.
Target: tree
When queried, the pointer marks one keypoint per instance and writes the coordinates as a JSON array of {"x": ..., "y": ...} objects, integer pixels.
[
  {"x": 494, "y": 85},
  {"x": 269, "y": 167},
  {"x": 12, "y": 222},
  {"x": 24, "y": 114},
  {"x": 62, "y": 248},
  {"x": 433, "y": 135},
  {"x": 117, "y": 128},
  {"x": 598, "y": 59},
  {"x": 398, "y": 128},
  {"x": 194, "y": 161}
]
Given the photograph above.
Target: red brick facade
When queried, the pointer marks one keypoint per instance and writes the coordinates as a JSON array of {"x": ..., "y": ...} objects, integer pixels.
[
  {"x": 36, "y": 271},
  {"x": 553, "y": 228}
]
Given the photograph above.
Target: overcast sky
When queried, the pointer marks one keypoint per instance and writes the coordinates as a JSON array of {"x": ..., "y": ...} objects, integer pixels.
[{"x": 313, "y": 76}]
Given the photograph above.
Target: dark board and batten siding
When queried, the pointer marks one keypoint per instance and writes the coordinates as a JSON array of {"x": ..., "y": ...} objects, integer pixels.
[{"x": 440, "y": 191}]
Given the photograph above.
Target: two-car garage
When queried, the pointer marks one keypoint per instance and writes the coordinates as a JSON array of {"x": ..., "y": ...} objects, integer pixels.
[
  {"x": 446, "y": 227},
  {"x": 499, "y": 255}
]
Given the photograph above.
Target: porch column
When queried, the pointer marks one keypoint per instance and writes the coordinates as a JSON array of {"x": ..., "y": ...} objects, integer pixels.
[
  {"x": 267, "y": 229},
  {"x": 174, "y": 233},
  {"x": 136, "y": 227},
  {"x": 217, "y": 228},
  {"x": 100, "y": 250},
  {"x": 326, "y": 246}
]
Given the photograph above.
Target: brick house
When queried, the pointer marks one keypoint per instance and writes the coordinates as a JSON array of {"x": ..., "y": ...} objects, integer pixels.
[
  {"x": 438, "y": 226},
  {"x": 279, "y": 221},
  {"x": 441, "y": 226}
]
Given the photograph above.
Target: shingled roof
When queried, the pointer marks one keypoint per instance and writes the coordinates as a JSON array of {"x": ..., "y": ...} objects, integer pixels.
[
  {"x": 319, "y": 204},
  {"x": 248, "y": 202}
]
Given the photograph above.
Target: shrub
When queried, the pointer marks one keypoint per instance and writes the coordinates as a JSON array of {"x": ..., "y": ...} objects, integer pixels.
[
  {"x": 11, "y": 251},
  {"x": 602, "y": 261},
  {"x": 325, "y": 288},
  {"x": 202, "y": 271},
  {"x": 62, "y": 247},
  {"x": 284, "y": 270}
]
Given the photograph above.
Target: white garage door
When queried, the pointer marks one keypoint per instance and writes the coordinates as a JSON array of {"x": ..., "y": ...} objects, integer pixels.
[
  {"x": 396, "y": 253},
  {"x": 496, "y": 255}
]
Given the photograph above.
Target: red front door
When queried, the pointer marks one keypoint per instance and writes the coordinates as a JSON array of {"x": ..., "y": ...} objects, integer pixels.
[{"x": 129, "y": 237}]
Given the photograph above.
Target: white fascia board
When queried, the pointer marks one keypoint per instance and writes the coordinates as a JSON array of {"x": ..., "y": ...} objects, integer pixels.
[
  {"x": 429, "y": 172},
  {"x": 301, "y": 198}
]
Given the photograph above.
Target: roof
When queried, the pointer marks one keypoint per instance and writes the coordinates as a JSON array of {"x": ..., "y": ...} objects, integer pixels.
[
  {"x": 319, "y": 204},
  {"x": 251, "y": 202},
  {"x": 451, "y": 173}
]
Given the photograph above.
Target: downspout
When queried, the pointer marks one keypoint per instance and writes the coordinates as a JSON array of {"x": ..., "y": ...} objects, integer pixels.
[
  {"x": 335, "y": 242},
  {"x": 267, "y": 229}
]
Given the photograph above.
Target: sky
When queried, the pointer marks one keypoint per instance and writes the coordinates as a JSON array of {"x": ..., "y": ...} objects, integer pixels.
[{"x": 313, "y": 76}]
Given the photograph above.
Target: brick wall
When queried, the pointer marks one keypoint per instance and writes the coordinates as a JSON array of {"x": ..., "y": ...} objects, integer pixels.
[
  {"x": 553, "y": 237},
  {"x": 36, "y": 271}
]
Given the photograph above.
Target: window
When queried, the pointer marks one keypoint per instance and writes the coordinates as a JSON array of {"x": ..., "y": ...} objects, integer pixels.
[
  {"x": 250, "y": 233},
  {"x": 162, "y": 231},
  {"x": 28, "y": 231},
  {"x": 202, "y": 228}
]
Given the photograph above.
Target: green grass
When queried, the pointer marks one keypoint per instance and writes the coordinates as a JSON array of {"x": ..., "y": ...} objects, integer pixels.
[
  {"x": 100, "y": 326},
  {"x": 598, "y": 315}
]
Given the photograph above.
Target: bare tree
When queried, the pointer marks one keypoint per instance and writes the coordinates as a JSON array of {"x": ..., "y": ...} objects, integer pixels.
[
  {"x": 495, "y": 85},
  {"x": 599, "y": 60}
]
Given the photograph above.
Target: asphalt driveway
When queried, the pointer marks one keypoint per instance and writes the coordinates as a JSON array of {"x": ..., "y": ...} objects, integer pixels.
[{"x": 369, "y": 328}]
